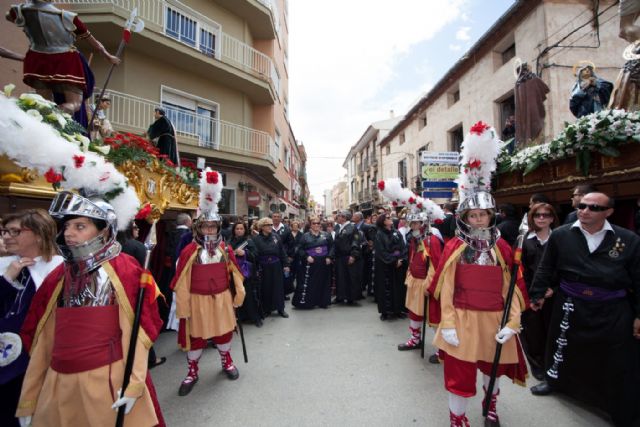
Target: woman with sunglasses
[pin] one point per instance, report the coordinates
(542, 219)
(315, 252)
(30, 239)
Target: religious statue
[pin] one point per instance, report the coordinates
(590, 93)
(530, 93)
(626, 92)
(52, 63)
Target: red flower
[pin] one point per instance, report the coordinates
(479, 128)
(188, 164)
(475, 164)
(394, 204)
(52, 176)
(163, 156)
(419, 205)
(170, 163)
(212, 177)
(381, 185)
(412, 200)
(78, 161)
(144, 212)
(438, 221)
(208, 198)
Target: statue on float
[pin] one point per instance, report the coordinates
(590, 93)
(626, 93)
(53, 64)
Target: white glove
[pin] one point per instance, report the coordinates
(128, 402)
(25, 421)
(450, 336)
(505, 335)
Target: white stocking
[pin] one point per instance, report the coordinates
(222, 348)
(194, 354)
(415, 324)
(457, 404)
(496, 386)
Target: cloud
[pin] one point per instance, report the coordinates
(463, 34)
(455, 47)
(341, 55)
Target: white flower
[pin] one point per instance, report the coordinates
(8, 89)
(55, 117)
(35, 114)
(104, 149)
(82, 139)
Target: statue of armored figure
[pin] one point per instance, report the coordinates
(590, 93)
(53, 63)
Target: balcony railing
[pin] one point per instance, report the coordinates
(133, 114)
(193, 29)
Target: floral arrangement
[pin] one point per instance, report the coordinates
(600, 132)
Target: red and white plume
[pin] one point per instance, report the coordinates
(480, 149)
(393, 191)
(210, 192)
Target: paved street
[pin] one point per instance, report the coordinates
(335, 367)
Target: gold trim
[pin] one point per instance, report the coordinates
(50, 305)
(453, 258)
(124, 303)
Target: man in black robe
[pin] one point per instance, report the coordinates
(163, 134)
(288, 245)
(593, 346)
(348, 253)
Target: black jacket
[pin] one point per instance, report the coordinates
(390, 246)
(348, 241)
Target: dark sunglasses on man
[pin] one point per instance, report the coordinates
(592, 208)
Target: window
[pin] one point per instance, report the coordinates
(455, 138)
(278, 142)
(422, 120)
(388, 149)
(287, 159)
(402, 171)
(508, 53)
(207, 42)
(181, 27)
(227, 203)
(402, 138)
(456, 96)
(453, 95)
(192, 116)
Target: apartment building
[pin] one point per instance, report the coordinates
(363, 166)
(549, 35)
(219, 68)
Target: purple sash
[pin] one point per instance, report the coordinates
(318, 251)
(245, 266)
(590, 293)
(396, 253)
(268, 259)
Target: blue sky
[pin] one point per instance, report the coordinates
(352, 61)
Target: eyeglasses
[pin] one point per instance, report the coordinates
(13, 232)
(593, 208)
(267, 225)
(315, 223)
(542, 215)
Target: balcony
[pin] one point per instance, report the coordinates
(194, 41)
(261, 16)
(199, 135)
(360, 196)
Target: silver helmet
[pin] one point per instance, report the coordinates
(479, 239)
(91, 254)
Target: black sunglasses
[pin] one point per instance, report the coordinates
(593, 208)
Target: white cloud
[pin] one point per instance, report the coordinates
(455, 47)
(463, 34)
(341, 53)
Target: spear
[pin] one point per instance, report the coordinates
(133, 24)
(503, 323)
(150, 243)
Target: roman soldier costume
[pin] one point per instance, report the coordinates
(424, 249)
(208, 286)
(471, 284)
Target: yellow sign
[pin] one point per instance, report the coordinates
(440, 172)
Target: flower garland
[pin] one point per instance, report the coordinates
(600, 132)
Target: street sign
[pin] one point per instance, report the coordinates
(439, 184)
(447, 172)
(440, 157)
(253, 198)
(437, 194)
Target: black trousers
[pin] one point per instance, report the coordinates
(9, 396)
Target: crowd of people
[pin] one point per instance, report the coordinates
(582, 311)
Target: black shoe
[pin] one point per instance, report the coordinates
(157, 362)
(259, 323)
(283, 313)
(232, 374)
(384, 316)
(185, 388)
(491, 423)
(542, 389)
(337, 301)
(434, 359)
(353, 304)
(401, 315)
(287, 298)
(404, 347)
